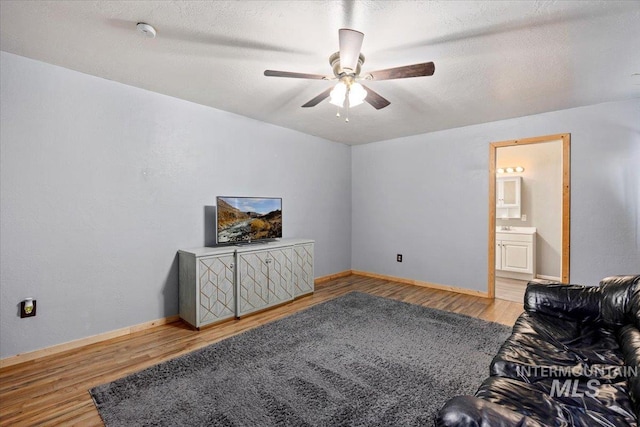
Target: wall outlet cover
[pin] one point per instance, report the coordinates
(24, 313)
(399, 257)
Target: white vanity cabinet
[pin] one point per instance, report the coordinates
(207, 285)
(219, 283)
(516, 253)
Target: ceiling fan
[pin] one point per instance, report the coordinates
(346, 65)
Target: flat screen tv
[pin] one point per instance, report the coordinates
(248, 219)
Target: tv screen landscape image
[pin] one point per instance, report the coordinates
(245, 219)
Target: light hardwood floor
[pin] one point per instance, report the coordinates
(53, 390)
(510, 289)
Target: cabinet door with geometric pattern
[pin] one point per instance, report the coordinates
(216, 289)
(303, 282)
(280, 272)
(253, 281)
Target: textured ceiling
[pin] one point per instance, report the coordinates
(494, 60)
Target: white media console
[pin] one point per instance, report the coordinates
(218, 283)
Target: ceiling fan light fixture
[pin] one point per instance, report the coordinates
(357, 94)
(338, 94)
(346, 65)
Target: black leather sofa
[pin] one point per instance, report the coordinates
(572, 360)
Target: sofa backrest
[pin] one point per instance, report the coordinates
(563, 301)
(620, 300)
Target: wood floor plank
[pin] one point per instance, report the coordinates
(510, 289)
(53, 390)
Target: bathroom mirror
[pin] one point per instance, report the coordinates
(508, 197)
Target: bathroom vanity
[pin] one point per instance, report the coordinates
(516, 252)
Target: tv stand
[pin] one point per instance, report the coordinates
(223, 282)
(254, 242)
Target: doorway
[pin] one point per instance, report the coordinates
(527, 229)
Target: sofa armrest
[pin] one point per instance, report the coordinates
(620, 300)
(469, 411)
(563, 301)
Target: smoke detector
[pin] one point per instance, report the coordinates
(146, 30)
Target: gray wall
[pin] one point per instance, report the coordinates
(541, 199)
(426, 197)
(101, 183)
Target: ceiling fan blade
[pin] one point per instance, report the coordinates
(315, 101)
(350, 45)
(415, 70)
(373, 98)
(274, 73)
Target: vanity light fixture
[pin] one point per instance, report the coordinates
(510, 169)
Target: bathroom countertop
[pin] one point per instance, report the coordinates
(517, 230)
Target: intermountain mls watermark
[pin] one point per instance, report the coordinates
(567, 380)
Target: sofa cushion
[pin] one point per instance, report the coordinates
(470, 411)
(592, 396)
(619, 300)
(519, 397)
(582, 404)
(543, 346)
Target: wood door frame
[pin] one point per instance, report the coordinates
(566, 201)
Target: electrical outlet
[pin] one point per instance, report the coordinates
(28, 308)
(399, 257)
(523, 217)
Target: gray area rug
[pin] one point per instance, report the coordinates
(358, 360)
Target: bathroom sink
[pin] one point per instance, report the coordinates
(517, 230)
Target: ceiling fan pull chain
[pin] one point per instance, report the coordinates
(347, 103)
(338, 113)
